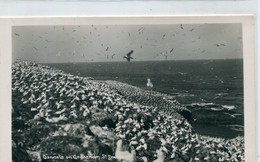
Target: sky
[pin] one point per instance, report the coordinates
(105, 43)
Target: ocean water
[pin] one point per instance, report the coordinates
(206, 87)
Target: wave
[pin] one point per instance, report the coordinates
(236, 127)
(202, 104)
(215, 109)
(229, 107)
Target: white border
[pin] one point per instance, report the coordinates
(248, 56)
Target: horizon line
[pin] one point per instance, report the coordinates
(137, 61)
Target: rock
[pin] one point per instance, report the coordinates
(35, 155)
(102, 118)
(106, 138)
(87, 140)
(75, 130)
(101, 133)
(19, 154)
(63, 145)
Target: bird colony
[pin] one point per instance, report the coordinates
(62, 117)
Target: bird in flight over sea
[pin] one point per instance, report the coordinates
(128, 56)
(113, 56)
(163, 36)
(222, 44)
(35, 48)
(58, 54)
(16, 34)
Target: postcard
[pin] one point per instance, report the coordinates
(118, 88)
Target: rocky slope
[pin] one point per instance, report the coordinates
(61, 117)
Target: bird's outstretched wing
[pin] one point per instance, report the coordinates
(127, 58)
(129, 53)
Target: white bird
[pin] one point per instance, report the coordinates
(160, 156)
(144, 159)
(61, 111)
(56, 119)
(149, 83)
(124, 156)
(58, 54)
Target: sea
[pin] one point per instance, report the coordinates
(206, 87)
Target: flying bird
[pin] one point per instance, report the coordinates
(17, 34)
(163, 36)
(220, 44)
(58, 54)
(164, 53)
(171, 50)
(107, 48)
(128, 56)
(113, 56)
(35, 48)
(181, 26)
(141, 30)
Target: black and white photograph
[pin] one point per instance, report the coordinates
(128, 92)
